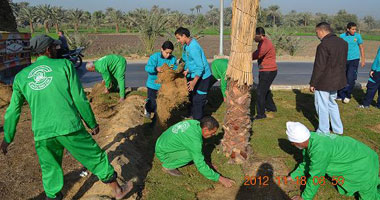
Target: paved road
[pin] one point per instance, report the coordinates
(289, 73)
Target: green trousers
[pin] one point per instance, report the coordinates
(82, 147)
(175, 159)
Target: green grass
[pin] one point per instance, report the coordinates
(267, 134)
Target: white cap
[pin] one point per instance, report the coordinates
(297, 132)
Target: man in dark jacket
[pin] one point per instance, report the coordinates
(329, 75)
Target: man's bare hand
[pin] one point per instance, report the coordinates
(159, 69)
(371, 73)
(121, 100)
(191, 85)
(95, 130)
(363, 62)
(185, 72)
(312, 89)
(4, 147)
(226, 182)
(297, 198)
(289, 178)
(106, 91)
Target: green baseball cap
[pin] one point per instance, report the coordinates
(39, 43)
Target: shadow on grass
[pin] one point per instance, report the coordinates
(288, 148)
(358, 95)
(305, 104)
(261, 186)
(215, 100)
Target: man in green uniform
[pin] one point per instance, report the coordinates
(218, 70)
(58, 104)
(112, 68)
(353, 166)
(182, 143)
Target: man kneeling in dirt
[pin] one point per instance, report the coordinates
(57, 103)
(182, 143)
(112, 68)
(352, 166)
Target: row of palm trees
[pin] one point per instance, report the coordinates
(54, 16)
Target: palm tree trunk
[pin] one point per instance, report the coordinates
(76, 27)
(56, 27)
(237, 122)
(46, 27)
(95, 29)
(274, 20)
(117, 28)
(31, 26)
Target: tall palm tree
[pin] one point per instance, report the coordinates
(44, 15)
(97, 19)
(198, 8)
(192, 10)
(237, 122)
(273, 11)
(57, 17)
(211, 6)
(28, 14)
(306, 18)
(76, 17)
(116, 17)
(150, 24)
(370, 21)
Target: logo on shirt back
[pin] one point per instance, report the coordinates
(41, 81)
(181, 127)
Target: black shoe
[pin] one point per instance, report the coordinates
(260, 117)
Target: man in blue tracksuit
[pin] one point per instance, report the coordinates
(373, 84)
(197, 71)
(354, 55)
(153, 67)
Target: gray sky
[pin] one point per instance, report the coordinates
(361, 8)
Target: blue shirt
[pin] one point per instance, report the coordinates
(375, 65)
(353, 45)
(195, 60)
(156, 60)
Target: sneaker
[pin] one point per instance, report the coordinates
(346, 100)
(173, 172)
(362, 106)
(147, 114)
(338, 99)
(83, 174)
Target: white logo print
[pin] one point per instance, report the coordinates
(41, 81)
(181, 127)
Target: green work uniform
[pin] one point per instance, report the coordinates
(57, 103)
(181, 144)
(219, 69)
(339, 156)
(112, 68)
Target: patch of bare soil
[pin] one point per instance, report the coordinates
(172, 97)
(5, 94)
(261, 182)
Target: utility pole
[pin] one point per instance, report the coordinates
(221, 28)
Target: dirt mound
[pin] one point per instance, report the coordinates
(124, 137)
(172, 96)
(5, 94)
(103, 104)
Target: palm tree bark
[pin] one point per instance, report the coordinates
(31, 26)
(117, 28)
(237, 121)
(56, 27)
(46, 27)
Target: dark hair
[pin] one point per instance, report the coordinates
(182, 31)
(350, 25)
(209, 122)
(260, 31)
(63, 33)
(167, 45)
(324, 26)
